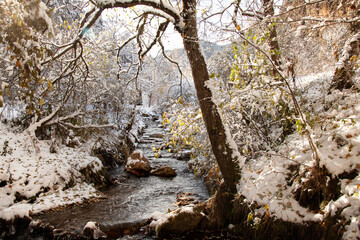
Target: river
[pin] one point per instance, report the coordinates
(134, 199)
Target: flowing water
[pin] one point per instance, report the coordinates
(135, 199)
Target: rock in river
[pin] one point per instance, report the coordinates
(180, 221)
(137, 164)
(164, 172)
(92, 231)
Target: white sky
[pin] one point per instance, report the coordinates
(123, 20)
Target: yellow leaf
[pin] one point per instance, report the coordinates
(266, 207)
(41, 102)
(51, 87)
(238, 27)
(69, 27)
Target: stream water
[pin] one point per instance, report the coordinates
(135, 199)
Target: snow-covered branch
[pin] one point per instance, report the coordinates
(163, 8)
(64, 118)
(88, 126)
(345, 54)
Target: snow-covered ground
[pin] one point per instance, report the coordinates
(336, 132)
(31, 183)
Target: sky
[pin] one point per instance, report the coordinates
(211, 30)
(208, 31)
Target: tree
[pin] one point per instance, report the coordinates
(81, 89)
(185, 21)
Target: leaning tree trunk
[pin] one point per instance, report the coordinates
(223, 146)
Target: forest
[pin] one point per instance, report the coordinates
(179, 119)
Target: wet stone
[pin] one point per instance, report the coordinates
(165, 171)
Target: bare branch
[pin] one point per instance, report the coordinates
(161, 29)
(173, 62)
(217, 13)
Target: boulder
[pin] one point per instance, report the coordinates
(92, 231)
(180, 221)
(108, 152)
(164, 172)
(137, 164)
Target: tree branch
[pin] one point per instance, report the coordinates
(161, 5)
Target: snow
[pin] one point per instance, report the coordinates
(161, 7)
(42, 179)
(138, 151)
(334, 124)
(159, 218)
(91, 225)
(4, 85)
(213, 85)
(235, 152)
(346, 50)
(188, 209)
(96, 232)
(264, 179)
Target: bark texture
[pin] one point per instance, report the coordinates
(223, 152)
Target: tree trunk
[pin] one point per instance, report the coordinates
(273, 41)
(223, 146)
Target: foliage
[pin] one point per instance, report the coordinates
(22, 50)
(78, 90)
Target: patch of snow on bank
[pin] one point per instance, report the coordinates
(31, 184)
(335, 127)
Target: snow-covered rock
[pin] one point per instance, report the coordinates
(92, 231)
(137, 164)
(180, 221)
